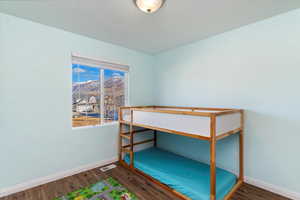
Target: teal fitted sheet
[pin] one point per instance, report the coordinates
(184, 175)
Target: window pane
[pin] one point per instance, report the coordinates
(114, 93)
(86, 95)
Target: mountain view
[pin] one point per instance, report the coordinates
(86, 95)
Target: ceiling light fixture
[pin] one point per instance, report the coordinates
(149, 6)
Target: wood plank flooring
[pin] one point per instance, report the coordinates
(144, 189)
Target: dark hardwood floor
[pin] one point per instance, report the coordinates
(144, 189)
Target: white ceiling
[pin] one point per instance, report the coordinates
(120, 22)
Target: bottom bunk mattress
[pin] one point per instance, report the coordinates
(189, 177)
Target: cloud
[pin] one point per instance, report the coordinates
(116, 74)
(78, 70)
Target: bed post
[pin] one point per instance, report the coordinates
(241, 148)
(120, 132)
(131, 139)
(213, 157)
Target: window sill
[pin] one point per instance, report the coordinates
(96, 126)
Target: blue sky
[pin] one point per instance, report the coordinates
(82, 73)
(108, 73)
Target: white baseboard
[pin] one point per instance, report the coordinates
(43, 180)
(273, 188)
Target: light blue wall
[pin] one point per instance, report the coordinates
(257, 68)
(35, 100)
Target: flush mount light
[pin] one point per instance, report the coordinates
(149, 6)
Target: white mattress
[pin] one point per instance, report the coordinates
(191, 124)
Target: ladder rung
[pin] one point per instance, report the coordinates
(137, 131)
(137, 143)
(126, 136)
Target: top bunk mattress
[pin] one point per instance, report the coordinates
(193, 124)
(189, 177)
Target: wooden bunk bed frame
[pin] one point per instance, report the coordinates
(129, 148)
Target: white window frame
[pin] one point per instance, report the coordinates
(102, 65)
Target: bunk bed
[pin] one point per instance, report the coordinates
(186, 178)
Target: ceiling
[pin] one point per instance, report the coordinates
(120, 22)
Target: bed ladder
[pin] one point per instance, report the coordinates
(129, 148)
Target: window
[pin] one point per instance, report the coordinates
(98, 90)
